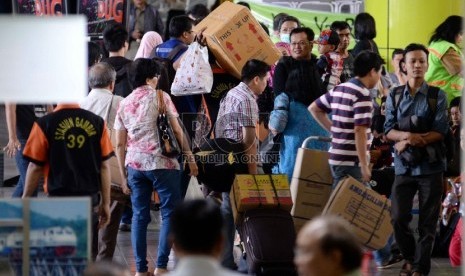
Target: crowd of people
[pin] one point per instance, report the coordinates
(371, 116)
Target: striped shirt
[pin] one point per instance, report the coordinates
(350, 105)
(238, 109)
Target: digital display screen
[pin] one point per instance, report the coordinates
(100, 12)
(40, 7)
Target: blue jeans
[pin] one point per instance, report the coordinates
(227, 259)
(21, 165)
(384, 254)
(142, 183)
(339, 172)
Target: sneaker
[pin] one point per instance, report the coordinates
(392, 261)
(125, 227)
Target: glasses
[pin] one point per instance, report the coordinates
(300, 43)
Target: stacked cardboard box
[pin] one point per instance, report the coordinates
(310, 186)
(259, 191)
(366, 210)
(234, 36)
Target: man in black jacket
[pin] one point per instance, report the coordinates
(115, 39)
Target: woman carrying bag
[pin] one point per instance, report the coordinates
(148, 141)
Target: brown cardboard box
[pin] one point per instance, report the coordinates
(367, 211)
(253, 191)
(234, 36)
(311, 183)
(299, 223)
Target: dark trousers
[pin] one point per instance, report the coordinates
(430, 190)
(107, 235)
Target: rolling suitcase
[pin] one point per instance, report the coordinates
(268, 236)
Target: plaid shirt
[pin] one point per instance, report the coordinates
(238, 109)
(347, 68)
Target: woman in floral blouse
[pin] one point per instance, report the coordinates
(140, 159)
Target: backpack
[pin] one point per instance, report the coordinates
(123, 85)
(432, 97)
(167, 64)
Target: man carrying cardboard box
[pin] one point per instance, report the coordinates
(351, 108)
(237, 118)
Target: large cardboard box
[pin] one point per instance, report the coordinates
(264, 191)
(311, 184)
(367, 211)
(234, 36)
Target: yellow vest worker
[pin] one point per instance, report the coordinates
(438, 75)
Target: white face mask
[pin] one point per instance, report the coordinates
(285, 38)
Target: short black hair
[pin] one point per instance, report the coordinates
(277, 19)
(196, 225)
(397, 51)
(245, 4)
(253, 68)
(448, 29)
(286, 19)
(340, 25)
(365, 26)
(377, 123)
(114, 37)
(415, 47)
(180, 24)
(265, 28)
(198, 11)
(141, 70)
(456, 102)
(309, 32)
(94, 53)
(365, 61)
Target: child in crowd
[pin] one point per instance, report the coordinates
(330, 61)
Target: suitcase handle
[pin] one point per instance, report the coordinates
(318, 138)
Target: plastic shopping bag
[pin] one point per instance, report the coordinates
(195, 75)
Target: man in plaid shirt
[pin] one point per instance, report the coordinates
(237, 118)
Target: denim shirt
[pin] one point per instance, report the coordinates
(417, 105)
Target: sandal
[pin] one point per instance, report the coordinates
(406, 269)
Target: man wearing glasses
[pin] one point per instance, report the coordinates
(301, 63)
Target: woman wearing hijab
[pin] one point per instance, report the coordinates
(149, 41)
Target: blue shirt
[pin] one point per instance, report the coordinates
(163, 50)
(417, 105)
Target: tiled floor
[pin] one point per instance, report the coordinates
(124, 254)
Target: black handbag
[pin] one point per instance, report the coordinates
(219, 160)
(168, 143)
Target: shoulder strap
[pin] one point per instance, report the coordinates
(433, 93)
(161, 102)
(109, 109)
(175, 51)
(397, 95)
